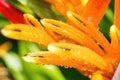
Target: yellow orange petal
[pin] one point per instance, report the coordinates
(68, 55)
(71, 32)
(115, 40)
(26, 32)
(87, 27)
(117, 13)
(95, 10)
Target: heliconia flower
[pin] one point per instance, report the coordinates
(80, 46)
(11, 13)
(92, 10)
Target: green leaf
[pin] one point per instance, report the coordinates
(3, 21)
(43, 9)
(24, 8)
(13, 63)
(38, 71)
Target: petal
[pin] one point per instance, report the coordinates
(89, 29)
(71, 33)
(115, 40)
(68, 5)
(95, 10)
(117, 13)
(92, 10)
(68, 55)
(26, 32)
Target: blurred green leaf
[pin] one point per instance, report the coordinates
(3, 21)
(110, 15)
(72, 74)
(37, 70)
(43, 9)
(13, 63)
(20, 6)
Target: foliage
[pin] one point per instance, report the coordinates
(21, 70)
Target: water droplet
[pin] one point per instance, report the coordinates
(85, 63)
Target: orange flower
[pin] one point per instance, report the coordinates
(92, 10)
(80, 46)
(117, 14)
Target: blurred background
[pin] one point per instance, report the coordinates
(12, 67)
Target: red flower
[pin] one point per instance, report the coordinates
(11, 13)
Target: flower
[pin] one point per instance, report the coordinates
(11, 13)
(78, 44)
(85, 8)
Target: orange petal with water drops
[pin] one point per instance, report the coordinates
(31, 20)
(72, 33)
(58, 4)
(68, 5)
(65, 53)
(89, 29)
(95, 10)
(26, 32)
(117, 14)
(92, 10)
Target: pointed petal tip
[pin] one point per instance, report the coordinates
(27, 59)
(6, 32)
